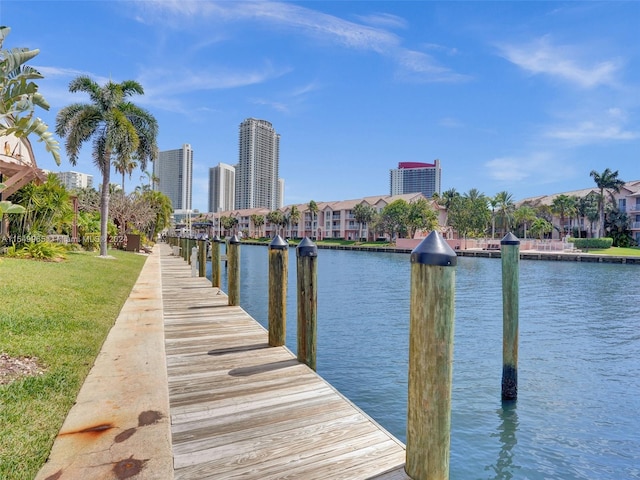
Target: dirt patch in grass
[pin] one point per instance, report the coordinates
(13, 368)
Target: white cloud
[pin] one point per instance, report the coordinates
(450, 122)
(565, 62)
(383, 20)
(415, 65)
(537, 167)
(592, 132)
(163, 81)
(607, 126)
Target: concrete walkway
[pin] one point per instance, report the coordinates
(119, 427)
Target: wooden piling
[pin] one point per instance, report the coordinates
(431, 328)
(233, 276)
(202, 258)
(278, 275)
(215, 262)
(307, 299)
(510, 255)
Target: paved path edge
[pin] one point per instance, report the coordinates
(120, 425)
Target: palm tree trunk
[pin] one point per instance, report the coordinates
(104, 211)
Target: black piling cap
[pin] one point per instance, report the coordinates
(510, 239)
(216, 239)
(434, 250)
(278, 243)
(234, 240)
(306, 248)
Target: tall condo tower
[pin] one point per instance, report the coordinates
(222, 188)
(258, 166)
(415, 177)
(174, 170)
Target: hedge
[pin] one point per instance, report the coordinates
(595, 243)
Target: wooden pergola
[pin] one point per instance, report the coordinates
(17, 165)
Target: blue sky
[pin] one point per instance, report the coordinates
(527, 97)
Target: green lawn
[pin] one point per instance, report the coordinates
(60, 313)
(618, 251)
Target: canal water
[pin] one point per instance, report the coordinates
(578, 410)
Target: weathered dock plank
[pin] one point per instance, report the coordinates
(242, 409)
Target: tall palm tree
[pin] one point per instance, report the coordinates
(564, 206)
(363, 214)
(606, 180)
(125, 166)
(313, 209)
(524, 215)
(294, 217)
(117, 128)
(505, 206)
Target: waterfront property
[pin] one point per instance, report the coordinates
(332, 220)
(627, 201)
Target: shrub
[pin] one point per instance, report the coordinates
(593, 243)
(38, 251)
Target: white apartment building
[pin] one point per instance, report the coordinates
(75, 180)
(222, 187)
(257, 170)
(174, 171)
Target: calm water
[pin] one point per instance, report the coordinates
(578, 411)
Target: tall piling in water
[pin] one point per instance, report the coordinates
(233, 276)
(307, 297)
(510, 256)
(215, 262)
(431, 329)
(202, 258)
(278, 275)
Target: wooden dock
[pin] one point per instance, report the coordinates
(242, 409)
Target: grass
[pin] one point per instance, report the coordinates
(618, 251)
(60, 313)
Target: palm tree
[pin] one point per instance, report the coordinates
(117, 127)
(493, 203)
(258, 221)
(564, 206)
(540, 227)
(313, 209)
(606, 180)
(294, 216)
(524, 215)
(125, 165)
(505, 205)
(363, 214)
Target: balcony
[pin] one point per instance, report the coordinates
(635, 226)
(633, 208)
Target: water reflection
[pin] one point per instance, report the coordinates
(504, 467)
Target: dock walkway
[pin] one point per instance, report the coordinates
(242, 409)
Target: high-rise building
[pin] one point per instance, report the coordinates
(174, 172)
(222, 188)
(258, 166)
(280, 192)
(416, 177)
(75, 180)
